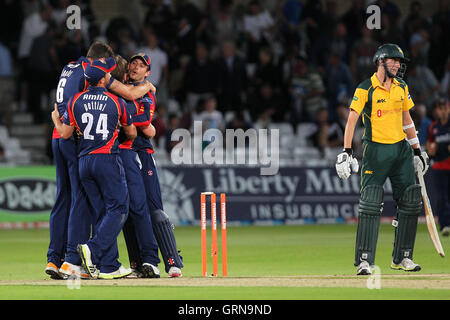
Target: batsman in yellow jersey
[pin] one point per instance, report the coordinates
(383, 102)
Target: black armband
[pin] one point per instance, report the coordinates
(111, 80)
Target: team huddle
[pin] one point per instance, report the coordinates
(107, 179)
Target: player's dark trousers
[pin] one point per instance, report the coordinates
(103, 177)
(151, 181)
(379, 162)
(139, 212)
(60, 212)
(442, 180)
(393, 161)
(81, 212)
(163, 228)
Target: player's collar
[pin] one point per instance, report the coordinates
(91, 88)
(377, 83)
(136, 83)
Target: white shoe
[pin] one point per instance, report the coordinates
(406, 265)
(68, 269)
(122, 272)
(85, 254)
(445, 231)
(150, 271)
(174, 272)
(53, 271)
(364, 269)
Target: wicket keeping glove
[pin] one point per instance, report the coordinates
(346, 164)
(421, 161)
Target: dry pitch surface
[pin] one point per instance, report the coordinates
(405, 281)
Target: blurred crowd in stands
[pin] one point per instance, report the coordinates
(234, 64)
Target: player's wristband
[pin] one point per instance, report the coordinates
(348, 150)
(413, 141)
(417, 152)
(111, 80)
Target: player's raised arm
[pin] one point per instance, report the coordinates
(130, 92)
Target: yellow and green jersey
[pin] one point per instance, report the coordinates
(382, 110)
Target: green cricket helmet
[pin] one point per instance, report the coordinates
(391, 50)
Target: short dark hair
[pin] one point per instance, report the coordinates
(99, 50)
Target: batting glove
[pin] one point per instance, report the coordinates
(421, 161)
(346, 164)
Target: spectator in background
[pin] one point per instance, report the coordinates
(126, 45)
(159, 122)
(210, 117)
(266, 71)
(390, 31)
(6, 62)
(222, 25)
(438, 147)
(339, 41)
(159, 18)
(59, 14)
(43, 66)
(328, 33)
(419, 46)
(265, 106)
(423, 85)
(389, 9)
(200, 77)
(414, 21)
(94, 34)
(421, 122)
(439, 44)
(362, 53)
(289, 17)
(173, 124)
(158, 76)
(258, 28)
(445, 82)
(70, 46)
(176, 76)
(307, 92)
(355, 20)
(313, 16)
(231, 78)
(191, 23)
(238, 122)
(121, 36)
(327, 134)
(339, 82)
(33, 26)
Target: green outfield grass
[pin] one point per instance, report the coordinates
(253, 252)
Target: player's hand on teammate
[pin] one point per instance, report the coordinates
(346, 164)
(55, 112)
(421, 161)
(152, 87)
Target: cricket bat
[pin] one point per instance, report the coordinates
(429, 217)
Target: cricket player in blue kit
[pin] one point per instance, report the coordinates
(139, 214)
(96, 113)
(70, 219)
(140, 66)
